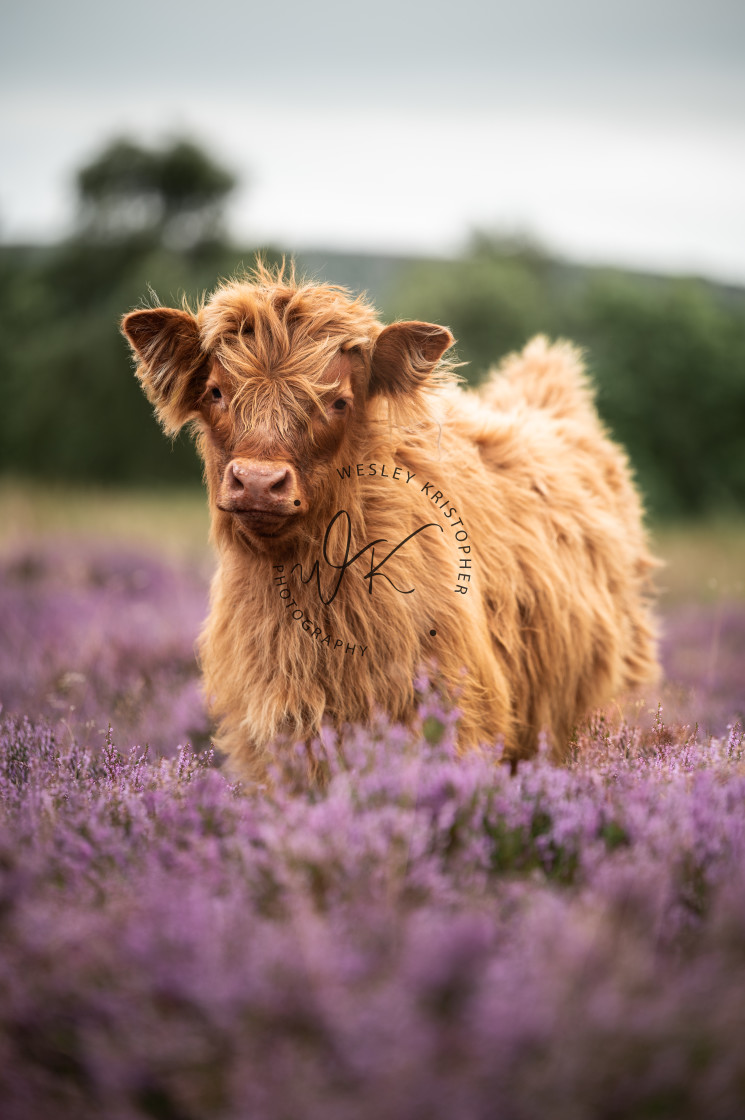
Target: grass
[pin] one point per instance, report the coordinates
(174, 522)
(704, 561)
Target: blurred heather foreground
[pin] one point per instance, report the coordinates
(94, 634)
(425, 937)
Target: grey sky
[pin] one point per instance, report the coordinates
(612, 130)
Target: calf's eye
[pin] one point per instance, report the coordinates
(215, 393)
(339, 405)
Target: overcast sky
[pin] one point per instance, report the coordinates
(610, 131)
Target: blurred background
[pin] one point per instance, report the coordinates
(568, 167)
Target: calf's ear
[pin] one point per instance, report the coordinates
(405, 355)
(170, 359)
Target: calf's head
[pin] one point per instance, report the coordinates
(277, 380)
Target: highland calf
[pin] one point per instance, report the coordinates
(371, 517)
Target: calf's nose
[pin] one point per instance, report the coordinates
(255, 484)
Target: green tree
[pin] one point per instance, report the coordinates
(669, 360)
(667, 356)
(492, 302)
(175, 194)
(74, 409)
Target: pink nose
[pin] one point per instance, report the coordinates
(258, 484)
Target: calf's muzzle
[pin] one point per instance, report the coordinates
(261, 487)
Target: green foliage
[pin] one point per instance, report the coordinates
(175, 193)
(150, 220)
(667, 356)
(72, 407)
(492, 305)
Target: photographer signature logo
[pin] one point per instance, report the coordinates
(374, 570)
(327, 574)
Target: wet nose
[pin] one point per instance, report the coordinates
(257, 484)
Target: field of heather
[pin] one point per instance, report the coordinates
(425, 937)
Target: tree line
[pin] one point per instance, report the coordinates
(667, 355)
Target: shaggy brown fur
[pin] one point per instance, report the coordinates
(532, 572)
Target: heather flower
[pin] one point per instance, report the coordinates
(415, 935)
